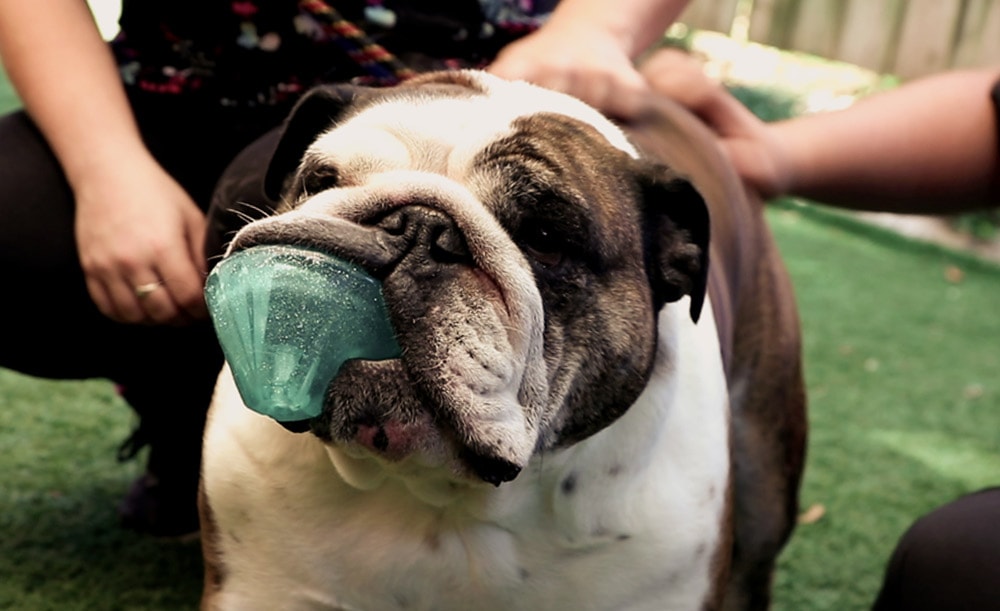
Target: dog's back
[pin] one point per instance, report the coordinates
(759, 334)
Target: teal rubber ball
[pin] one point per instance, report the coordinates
(288, 318)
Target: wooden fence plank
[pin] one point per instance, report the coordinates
(979, 40)
(818, 26)
(772, 22)
(713, 15)
(870, 33)
(925, 42)
(905, 37)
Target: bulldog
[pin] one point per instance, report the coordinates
(585, 413)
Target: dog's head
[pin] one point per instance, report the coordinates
(525, 250)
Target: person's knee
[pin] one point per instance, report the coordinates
(949, 558)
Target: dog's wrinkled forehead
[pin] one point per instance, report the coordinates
(443, 128)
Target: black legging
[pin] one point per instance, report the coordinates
(54, 330)
(949, 559)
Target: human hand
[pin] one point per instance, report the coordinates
(751, 145)
(140, 239)
(580, 60)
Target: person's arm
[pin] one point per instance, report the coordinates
(929, 146)
(135, 225)
(587, 48)
(634, 24)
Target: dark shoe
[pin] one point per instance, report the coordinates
(163, 502)
(155, 509)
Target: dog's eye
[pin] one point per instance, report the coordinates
(318, 180)
(542, 243)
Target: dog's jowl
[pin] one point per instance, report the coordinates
(584, 413)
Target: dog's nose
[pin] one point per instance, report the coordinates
(391, 440)
(428, 233)
(375, 438)
(491, 469)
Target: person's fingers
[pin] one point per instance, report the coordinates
(183, 283)
(155, 301)
(675, 74)
(150, 296)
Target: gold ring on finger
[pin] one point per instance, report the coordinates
(145, 290)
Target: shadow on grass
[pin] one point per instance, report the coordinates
(60, 543)
(65, 551)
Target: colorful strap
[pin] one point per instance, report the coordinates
(382, 67)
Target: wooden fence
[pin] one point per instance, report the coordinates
(903, 37)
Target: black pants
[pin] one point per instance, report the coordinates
(52, 329)
(949, 559)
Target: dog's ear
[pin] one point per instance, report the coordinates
(676, 235)
(313, 114)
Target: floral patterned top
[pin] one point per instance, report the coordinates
(247, 53)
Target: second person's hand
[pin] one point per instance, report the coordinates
(584, 62)
(755, 153)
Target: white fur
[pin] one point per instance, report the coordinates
(460, 126)
(638, 531)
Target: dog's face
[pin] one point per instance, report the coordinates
(524, 251)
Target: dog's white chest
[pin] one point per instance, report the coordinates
(628, 519)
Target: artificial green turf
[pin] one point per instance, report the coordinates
(8, 97)
(902, 368)
(60, 546)
(903, 374)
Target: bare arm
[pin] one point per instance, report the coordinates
(929, 146)
(587, 49)
(635, 24)
(134, 224)
(54, 53)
